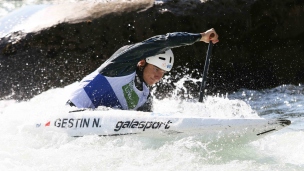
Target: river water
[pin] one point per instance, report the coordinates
(23, 147)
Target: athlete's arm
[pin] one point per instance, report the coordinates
(124, 61)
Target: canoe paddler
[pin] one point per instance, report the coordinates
(125, 79)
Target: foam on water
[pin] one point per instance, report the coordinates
(22, 146)
(32, 18)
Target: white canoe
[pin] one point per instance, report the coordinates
(113, 122)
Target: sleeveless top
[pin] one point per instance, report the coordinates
(116, 92)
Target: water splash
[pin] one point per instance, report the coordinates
(32, 18)
(22, 146)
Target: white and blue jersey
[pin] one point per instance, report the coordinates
(113, 85)
(117, 92)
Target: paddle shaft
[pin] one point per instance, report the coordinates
(205, 72)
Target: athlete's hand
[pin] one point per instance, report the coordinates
(210, 35)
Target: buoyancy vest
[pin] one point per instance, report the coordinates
(116, 92)
(112, 84)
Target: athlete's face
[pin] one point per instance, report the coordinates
(152, 74)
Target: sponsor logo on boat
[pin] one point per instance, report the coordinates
(142, 125)
(96, 123)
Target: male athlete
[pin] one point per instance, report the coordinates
(123, 80)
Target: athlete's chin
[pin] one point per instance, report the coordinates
(152, 82)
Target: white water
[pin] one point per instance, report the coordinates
(31, 16)
(24, 147)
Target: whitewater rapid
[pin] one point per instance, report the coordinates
(25, 147)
